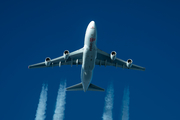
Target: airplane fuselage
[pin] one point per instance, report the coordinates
(89, 55)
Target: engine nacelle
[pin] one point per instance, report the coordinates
(66, 54)
(47, 61)
(129, 63)
(113, 55)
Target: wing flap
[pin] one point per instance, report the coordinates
(72, 60)
(103, 58)
(38, 65)
(136, 67)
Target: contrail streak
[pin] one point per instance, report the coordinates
(125, 104)
(60, 102)
(41, 109)
(107, 115)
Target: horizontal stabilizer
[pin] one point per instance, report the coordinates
(75, 87)
(95, 88)
(79, 87)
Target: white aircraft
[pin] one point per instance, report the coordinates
(88, 57)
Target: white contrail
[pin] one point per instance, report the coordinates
(41, 109)
(60, 102)
(125, 104)
(107, 115)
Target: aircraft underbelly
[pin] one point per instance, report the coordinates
(87, 67)
(86, 77)
(89, 61)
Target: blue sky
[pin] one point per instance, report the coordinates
(145, 31)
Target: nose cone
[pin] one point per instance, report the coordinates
(92, 25)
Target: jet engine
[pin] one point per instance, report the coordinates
(129, 63)
(66, 54)
(113, 55)
(47, 61)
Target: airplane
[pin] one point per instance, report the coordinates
(88, 57)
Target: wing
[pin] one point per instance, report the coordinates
(103, 58)
(74, 58)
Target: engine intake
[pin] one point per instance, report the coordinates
(113, 55)
(47, 61)
(66, 54)
(129, 63)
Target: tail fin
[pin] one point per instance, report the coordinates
(79, 86)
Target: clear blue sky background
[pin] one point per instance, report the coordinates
(146, 31)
